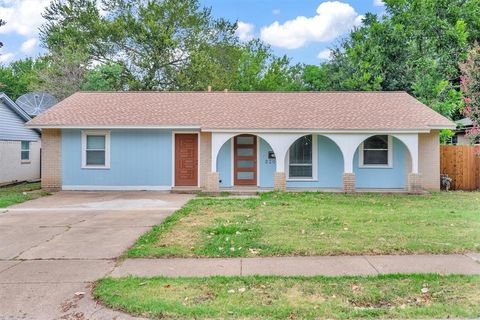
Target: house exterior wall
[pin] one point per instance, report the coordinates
(329, 167)
(51, 159)
(224, 164)
(267, 166)
(144, 158)
(137, 158)
(12, 132)
(384, 178)
(429, 159)
(12, 168)
(205, 157)
(12, 126)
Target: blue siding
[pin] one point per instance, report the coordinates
(330, 167)
(384, 178)
(267, 166)
(224, 164)
(137, 158)
(12, 126)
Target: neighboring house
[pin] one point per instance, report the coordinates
(460, 137)
(19, 146)
(227, 140)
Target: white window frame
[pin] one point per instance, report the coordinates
(314, 162)
(23, 150)
(361, 164)
(86, 133)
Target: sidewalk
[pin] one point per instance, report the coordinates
(301, 266)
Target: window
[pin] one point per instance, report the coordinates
(25, 151)
(301, 159)
(96, 149)
(376, 152)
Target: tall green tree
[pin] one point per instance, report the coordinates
(64, 73)
(470, 80)
(20, 76)
(156, 45)
(258, 69)
(103, 77)
(415, 47)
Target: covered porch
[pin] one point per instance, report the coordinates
(243, 162)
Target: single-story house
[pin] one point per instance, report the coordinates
(19, 146)
(217, 141)
(460, 137)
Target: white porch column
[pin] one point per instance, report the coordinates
(348, 144)
(411, 142)
(218, 140)
(280, 143)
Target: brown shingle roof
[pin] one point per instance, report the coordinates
(244, 110)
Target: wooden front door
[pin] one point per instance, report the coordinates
(245, 160)
(186, 159)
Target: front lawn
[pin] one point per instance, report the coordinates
(19, 193)
(317, 224)
(392, 296)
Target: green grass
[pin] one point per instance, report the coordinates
(392, 296)
(317, 224)
(20, 193)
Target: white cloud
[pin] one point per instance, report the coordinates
(276, 12)
(22, 16)
(324, 54)
(378, 3)
(6, 57)
(29, 45)
(333, 18)
(245, 31)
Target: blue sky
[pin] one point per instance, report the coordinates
(301, 29)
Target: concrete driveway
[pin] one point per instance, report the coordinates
(54, 247)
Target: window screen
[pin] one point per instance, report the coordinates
(300, 158)
(25, 151)
(375, 150)
(95, 151)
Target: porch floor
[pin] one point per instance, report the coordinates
(252, 190)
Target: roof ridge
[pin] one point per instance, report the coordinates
(242, 92)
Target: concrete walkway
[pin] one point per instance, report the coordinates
(301, 266)
(53, 248)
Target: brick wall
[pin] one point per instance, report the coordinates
(205, 157)
(429, 159)
(51, 159)
(348, 182)
(280, 181)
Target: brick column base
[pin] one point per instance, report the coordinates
(212, 182)
(415, 183)
(280, 181)
(348, 182)
(51, 159)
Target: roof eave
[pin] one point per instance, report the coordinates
(198, 127)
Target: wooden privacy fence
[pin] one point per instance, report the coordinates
(462, 164)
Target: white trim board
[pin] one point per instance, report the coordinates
(105, 127)
(314, 162)
(389, 165)
(243, 130)
(107, 150)
(317, 131)
(115, 188)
